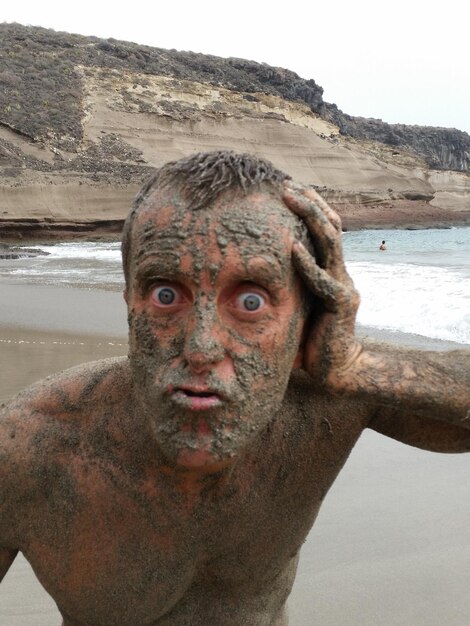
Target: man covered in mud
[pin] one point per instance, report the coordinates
(176, 486)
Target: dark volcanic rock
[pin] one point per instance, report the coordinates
(15, 252)
(441, 148)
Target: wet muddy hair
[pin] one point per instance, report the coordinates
(203, 177)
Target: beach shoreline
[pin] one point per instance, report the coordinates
(48, 328)
(85, 311)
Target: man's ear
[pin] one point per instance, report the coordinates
(125, 296)
(299, 358)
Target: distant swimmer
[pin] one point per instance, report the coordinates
(382, 246)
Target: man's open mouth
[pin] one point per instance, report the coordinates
(198, 394)
(196, 399)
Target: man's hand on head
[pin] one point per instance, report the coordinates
(330, 346)
(412, 390)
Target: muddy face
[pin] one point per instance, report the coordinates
(216, 318)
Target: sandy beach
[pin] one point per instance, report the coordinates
(391, 544)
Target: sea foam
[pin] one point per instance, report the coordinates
(423, 300)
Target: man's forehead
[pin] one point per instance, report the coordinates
(255, 231)
(256, 212)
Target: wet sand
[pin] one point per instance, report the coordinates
(392, 542)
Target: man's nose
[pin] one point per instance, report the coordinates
(203, 345)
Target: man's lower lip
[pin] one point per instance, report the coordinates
(196, 403)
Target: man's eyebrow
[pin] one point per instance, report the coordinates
(267, 268)
(160, 265)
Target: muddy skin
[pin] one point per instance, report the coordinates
(252, 237)
(177, 486)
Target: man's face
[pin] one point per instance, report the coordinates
(216, 319)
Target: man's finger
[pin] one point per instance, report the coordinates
(326, 237)
(317, 199)
(318, 281)
(332, 216)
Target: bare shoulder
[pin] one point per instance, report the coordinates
(47, 421)
(305, 401)
(65, 395)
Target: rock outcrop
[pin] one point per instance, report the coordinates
(13, 252)
(441, 148)
(83, 121)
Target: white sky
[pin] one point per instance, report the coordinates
(403, 61)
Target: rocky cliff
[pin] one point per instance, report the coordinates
(83, 120)
(441, 148)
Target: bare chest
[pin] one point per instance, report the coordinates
(112, 547)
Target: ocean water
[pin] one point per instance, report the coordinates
(419, 285)
(82, 264)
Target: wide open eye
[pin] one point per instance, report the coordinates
(250, 301)
(166, 296)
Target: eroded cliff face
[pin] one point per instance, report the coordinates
(440, 148)
(76, 157)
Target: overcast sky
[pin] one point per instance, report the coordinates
(402, 62)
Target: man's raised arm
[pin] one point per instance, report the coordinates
(418, 397)
(422, 398)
